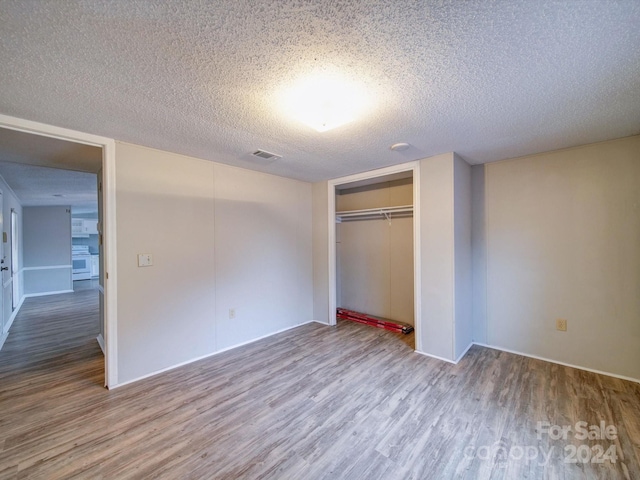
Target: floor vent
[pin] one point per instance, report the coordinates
(266, 155)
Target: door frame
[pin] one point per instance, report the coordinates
(417, 272)
(108, 146)
(15, 271)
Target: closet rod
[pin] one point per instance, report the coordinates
(374, 212)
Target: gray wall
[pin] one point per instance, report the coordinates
(320, 233)
(47, 243)
(479, 254)
(563, 241)
(375, 258)
(463, 264)
(221, 238)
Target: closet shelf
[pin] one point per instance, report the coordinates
(385, 212)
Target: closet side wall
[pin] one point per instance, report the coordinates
(375, 259)
(437, 256)
(462, 234)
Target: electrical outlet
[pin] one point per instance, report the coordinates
(561, 324)
(232, 313)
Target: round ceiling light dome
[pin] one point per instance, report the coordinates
(399, 147)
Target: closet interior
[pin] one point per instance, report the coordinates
(374, 249)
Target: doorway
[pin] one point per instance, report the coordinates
(106, 227)
(368, 178)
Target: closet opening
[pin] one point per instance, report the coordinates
(373, 245)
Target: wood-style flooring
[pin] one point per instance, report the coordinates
(350, 402)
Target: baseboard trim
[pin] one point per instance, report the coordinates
(435, 356)
(14, 314)
(464, 353)
(318, 321)
(600, 372)
(100, 340)
(44, 294)
(217, 352)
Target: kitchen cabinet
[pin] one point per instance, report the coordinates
(77, 226)
(82, 227)
(90, 226)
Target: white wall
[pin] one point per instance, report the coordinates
(563, 241)
(221, 238)
(46, 242)
(10, 201)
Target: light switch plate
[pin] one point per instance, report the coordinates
(145, 260)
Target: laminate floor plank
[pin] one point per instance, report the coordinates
(315, 402)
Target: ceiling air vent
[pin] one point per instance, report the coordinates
(266, 155)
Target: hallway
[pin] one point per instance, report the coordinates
(52, 334)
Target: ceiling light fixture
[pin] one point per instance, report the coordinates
(399, 147)
(325, 101)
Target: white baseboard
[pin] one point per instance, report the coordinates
(435, 356)
(318, 321)
(100, 340)
(464, 353)
(600, 372)
(111, 387)
(14, 314)
(43, 294)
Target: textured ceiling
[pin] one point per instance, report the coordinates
(486, 79)
(70, 170)
(40, 186)
(21, 147)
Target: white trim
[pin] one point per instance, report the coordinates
(318, 321)
(13, 316)
(435, 356)
(44, 294)
(464, 353)
(49, 267)
(544, 359)
(202, 357)
(109, 240)
(417, 257)
(109, 263)
(331, 207)
(417, 271)
(100, 340)
(3, 337)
